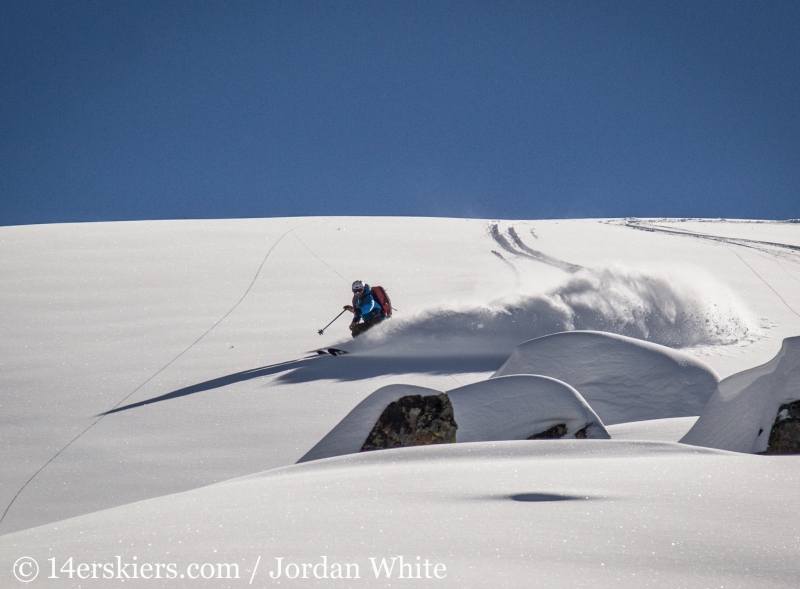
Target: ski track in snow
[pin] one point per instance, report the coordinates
(527, 252)
(777, 294)
(764, 246)
(510, 266)
(297, 237)
(757, 245)
(556, 263)
(162, 369)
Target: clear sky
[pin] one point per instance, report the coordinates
(117, 110)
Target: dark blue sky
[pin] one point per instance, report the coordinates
(155, 110)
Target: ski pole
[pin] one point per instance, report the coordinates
(320, 331)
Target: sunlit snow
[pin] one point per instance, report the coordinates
(159, 383)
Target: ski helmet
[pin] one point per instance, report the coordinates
(358, 285)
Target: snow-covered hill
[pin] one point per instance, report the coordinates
(141, 362)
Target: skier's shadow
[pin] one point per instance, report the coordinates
(338, 368)
(352, 367)
(216, 383)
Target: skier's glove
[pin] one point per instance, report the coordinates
(349, 308)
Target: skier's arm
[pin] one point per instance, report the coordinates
(355, 310)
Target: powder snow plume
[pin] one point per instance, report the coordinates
(674, 309)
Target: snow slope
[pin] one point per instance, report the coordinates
(623, 379)
(140, 360)
(741, 413)
(569, 513)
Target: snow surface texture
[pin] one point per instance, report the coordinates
(673, 309)
(623, 379)
(516, 407)
(578, 514)
(508, 408)
(198, 332)
(671, 429)
(741, 413)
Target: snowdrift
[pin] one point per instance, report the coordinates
(741, 413)
(672, 310)
(508, 408)
(623, 379)
(516, 407)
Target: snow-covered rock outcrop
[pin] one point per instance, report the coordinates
(518, 407)
(350, 434)
(414, 420)
(623, 379)
(747, 405)
(507, 408)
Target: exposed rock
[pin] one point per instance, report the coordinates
(559, 431)
(784, 438)
(414, 420)
(554, 433)
(349, 434)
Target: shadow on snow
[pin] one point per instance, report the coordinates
(338, 368)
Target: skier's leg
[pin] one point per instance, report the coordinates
(360, 328)
(371, 323)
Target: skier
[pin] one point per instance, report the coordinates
(367, 311)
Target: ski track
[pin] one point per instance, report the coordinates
(511, 266)
(788, 306)
(297, 237)
(792, 276)
(767, 256)
(561, 265)
(162, 369)
(494, 232)
(740, 241)
(727, 242)
(527, 252)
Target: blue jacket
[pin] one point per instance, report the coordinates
(366, 307)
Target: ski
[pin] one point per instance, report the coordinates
(331, 351)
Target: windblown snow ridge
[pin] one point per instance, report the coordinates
(661, 307)
(745, 410)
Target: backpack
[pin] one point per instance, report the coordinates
(382, 298)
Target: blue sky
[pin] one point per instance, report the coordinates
(159, 110)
